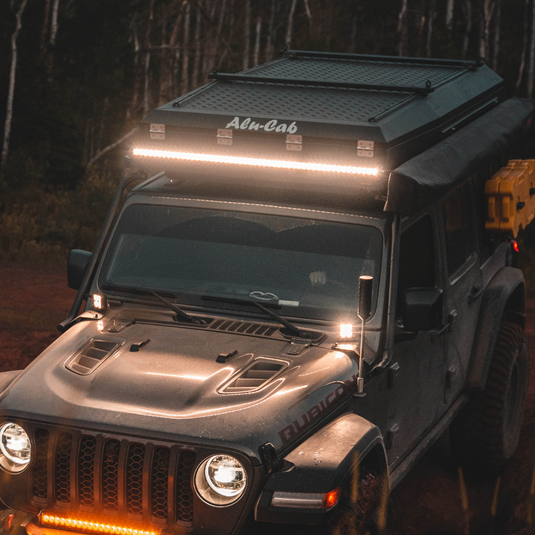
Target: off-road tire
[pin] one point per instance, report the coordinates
(484, 436)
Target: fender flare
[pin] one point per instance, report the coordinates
(503, 296)
(320, 464)
(6, 378)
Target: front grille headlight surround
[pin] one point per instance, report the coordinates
(15, 448)
(220, 480)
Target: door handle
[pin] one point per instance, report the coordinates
(452, 317)
(475, 294)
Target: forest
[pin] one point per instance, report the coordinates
(76, 76)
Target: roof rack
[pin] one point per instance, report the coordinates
(468, 64)
(226, 77)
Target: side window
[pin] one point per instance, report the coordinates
(416, 259)
(458, 228)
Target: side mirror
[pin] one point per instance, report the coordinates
(78, 262)
(423, 309)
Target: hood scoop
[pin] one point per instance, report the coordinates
(256, 376)
(91, 355)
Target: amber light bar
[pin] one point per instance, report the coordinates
(260, 162)
(94, 527)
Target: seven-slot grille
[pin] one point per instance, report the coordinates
(95, 474)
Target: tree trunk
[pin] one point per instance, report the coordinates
(308, 13)
(430, 20)
(468, 29)
(353, 45)
(185, 48)
(258, 30)
(524, 46)
(12, 73)
(247, 34)
(54, 23)
(44, 31)
(403, 29)
(197, 45)
(531, 53)
(146, 87)
(484, 38)
(289, 28)
(450, 6)
(269, 44)
(497, 35)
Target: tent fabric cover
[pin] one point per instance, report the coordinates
(426, 177)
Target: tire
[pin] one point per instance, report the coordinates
(485, 435)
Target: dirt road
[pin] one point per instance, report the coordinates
(34, 299)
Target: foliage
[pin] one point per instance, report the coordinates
(81, 88)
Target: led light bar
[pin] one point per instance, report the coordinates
(260, 162)
(95, 527)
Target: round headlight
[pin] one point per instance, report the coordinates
(221, 480)
(15, 447)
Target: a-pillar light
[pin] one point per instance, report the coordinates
(100, 302)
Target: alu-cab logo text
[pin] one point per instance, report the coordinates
(271, 126)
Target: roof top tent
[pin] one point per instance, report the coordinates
(361, 115)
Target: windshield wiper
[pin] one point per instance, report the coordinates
(179, 312)
(184, 316)
(250, 302)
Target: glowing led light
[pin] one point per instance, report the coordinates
(331, 498)
(92, 526)
(100, 302)
(260, 162)
(346, 330)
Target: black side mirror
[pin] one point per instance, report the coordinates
(423, 309)
(78, 262)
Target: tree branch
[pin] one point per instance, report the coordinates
(107, 149)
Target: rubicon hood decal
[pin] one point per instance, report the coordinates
(271, 126)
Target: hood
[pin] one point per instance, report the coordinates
(173, 386)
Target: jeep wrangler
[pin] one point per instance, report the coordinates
(308, 277)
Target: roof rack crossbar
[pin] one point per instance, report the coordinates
(465, 64)
(227, 77)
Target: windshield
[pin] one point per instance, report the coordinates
(308, 268)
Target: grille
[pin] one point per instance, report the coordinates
(96, 474)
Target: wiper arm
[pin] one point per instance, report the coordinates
(179, 312)
(292, 328)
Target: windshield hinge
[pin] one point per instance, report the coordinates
(297, 346)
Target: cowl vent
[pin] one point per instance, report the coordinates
(91, 355)
(255, 377)
(243, 327)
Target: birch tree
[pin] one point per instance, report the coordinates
(497, 35)
(531, 64)
(44, 30)
(247, 34)
(484, 38)
(524, 46)
(450, 6)
(258, 30)
(12, 74)
(290, 26)
(185, 45)
(468, 28)
(403, 29)
(197, 45)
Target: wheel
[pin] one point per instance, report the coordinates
(357, 518)
(484, 436)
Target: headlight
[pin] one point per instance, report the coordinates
(221, 480)
(15, 448)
